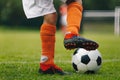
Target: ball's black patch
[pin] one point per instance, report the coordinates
(90, 72)
(75, 52)
(75, 66)
(85, 59)
(99, 61)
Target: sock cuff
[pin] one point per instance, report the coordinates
(76, 4)
(47, 30)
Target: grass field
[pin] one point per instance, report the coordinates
(20, 55)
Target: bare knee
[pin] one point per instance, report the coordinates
(79, 1)
(50, 18)
(71, 1)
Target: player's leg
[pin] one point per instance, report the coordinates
(47, 36)
(74, 16)
(37, 8)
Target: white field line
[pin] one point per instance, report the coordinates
(60, 61)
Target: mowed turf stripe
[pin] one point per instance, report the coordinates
(60, 61)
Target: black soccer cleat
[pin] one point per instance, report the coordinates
(79, 42)
(52, 70)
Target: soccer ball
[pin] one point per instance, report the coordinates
(84, 61)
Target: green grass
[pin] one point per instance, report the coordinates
(20, 55)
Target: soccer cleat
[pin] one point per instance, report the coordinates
(73, 41)
(53, 70)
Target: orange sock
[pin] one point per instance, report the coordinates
(47, 36)
(74, 16)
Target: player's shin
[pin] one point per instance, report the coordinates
(74, 17)
(47, 36)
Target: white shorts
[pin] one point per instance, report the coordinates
(36, 8)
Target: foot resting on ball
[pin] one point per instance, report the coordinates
(72, 41)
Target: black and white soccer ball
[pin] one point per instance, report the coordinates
(84, 61)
